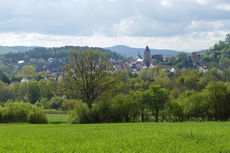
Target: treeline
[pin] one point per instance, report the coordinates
(151, 95)
(218, 56)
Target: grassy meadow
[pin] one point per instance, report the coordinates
(210, 137)
(57, 118)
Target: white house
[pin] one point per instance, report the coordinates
(24, 80)
(21, 62)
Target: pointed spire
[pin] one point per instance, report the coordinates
(147, 55)
(139, 55)
(147, 48)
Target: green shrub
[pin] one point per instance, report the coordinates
(1, 115)
(120, 109)
(56, 101)
(21, 112)
(36, 116)
(43, 103)
(16, 111)
(80, 113)
(68, 105)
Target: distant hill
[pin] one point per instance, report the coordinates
(128, 51)
(14, 49)
(39, 57)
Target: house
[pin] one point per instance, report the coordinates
(152, 65)
(139, 60)
(158, 57)
(24, 80)
(172, 70)
(50, 60)
(60, 78)
(21, 62)
(203, 69)
(166, 59)
(194, 55)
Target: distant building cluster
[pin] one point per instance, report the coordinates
(139, 62)
(151, 61)
(135, 65)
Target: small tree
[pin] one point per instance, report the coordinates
(159, 96)
(90, 72)
(227, 39)
(218, 100)
(33, 91)
(27, 71)
(141, 99)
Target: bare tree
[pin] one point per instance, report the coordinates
(90, 71)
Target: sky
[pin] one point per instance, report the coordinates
(184, 25)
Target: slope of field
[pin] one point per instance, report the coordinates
(210, 137)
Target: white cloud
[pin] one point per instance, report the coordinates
(225, 7)
(203, 2)
(97, 22)
(189, 42)
(123, 27)
(206, 25)
(166, 3)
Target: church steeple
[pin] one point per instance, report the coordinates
(147, 56)
(139, 55)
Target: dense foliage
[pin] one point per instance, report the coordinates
(21, 112)
(219, 55)
(186, 94)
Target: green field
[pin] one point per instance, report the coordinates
(126, 137)
(57, 118)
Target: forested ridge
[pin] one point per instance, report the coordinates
(38, 58)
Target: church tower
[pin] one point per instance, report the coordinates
(147, 56)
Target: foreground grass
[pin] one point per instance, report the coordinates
(129, 137)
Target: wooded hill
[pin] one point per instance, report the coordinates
(45, 58)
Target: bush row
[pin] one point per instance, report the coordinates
(21, 112)
(120, 109)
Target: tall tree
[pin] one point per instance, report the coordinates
(46, 89)
(27, 71)
(90, 71)
(218, 100)
(159, 96)
(33, 91)
(4, 78)
(141, 99)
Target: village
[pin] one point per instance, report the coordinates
(134, 65)
(151, 61)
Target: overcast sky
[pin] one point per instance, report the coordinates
(164, 24)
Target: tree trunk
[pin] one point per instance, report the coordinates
(89, 103)
(156, 115)
(142, 116)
